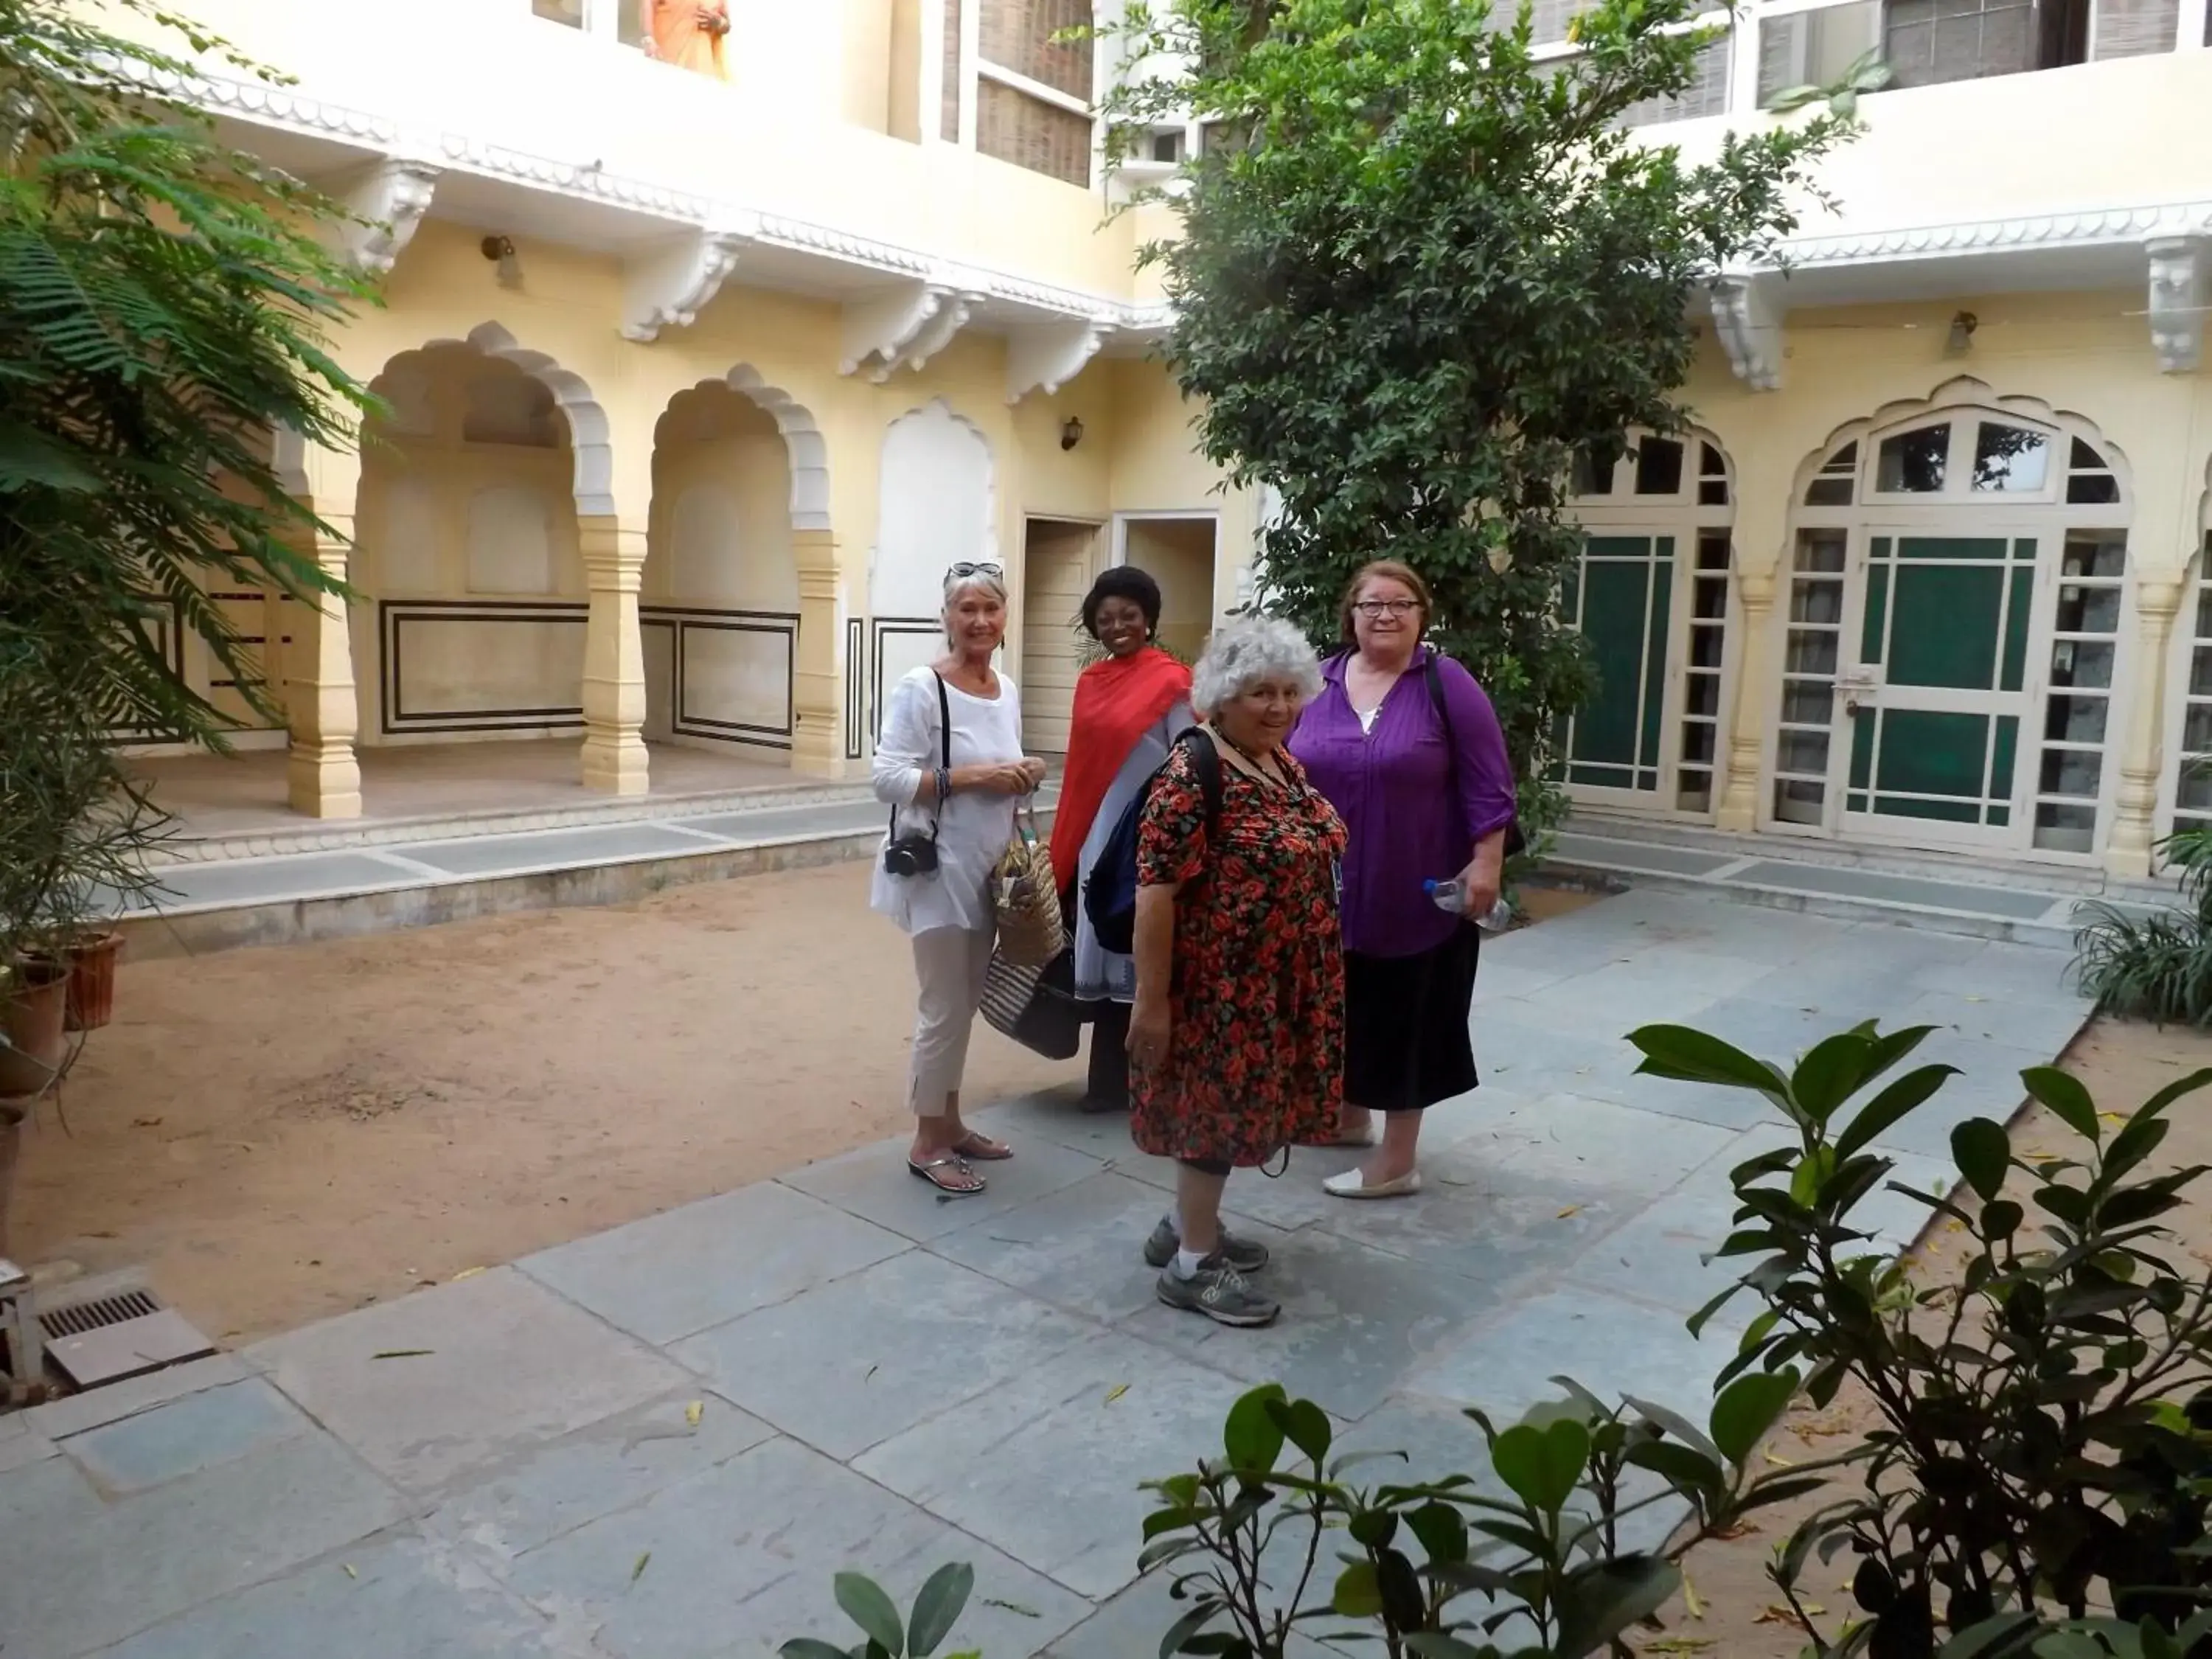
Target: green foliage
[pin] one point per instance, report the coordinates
(2155, 966)
(2040, 1476)
(161, 303)
(936, 1610)
(1418, 270)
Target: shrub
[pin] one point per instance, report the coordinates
(2155, 966)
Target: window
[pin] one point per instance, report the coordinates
(1970, 454)
(1913, 463)
(2192, 787)
(1650, 596)
(2077, 708)
(1811, 659)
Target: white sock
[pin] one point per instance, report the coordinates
(1187, 1264)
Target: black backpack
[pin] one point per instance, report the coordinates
(1109, 895)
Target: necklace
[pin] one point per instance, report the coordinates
(1258, 765)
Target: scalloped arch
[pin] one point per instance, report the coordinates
(804, 445)
(1964, 392)
(1690, 432)
(942, 408)
(589, 444)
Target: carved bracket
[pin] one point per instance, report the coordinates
(906, 326)
(1046, 357)
(669, 288)
(2180, 276)
(387, 201)
(1747, 318)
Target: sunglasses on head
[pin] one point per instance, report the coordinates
(960, 572)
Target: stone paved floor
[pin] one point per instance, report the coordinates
(503, 1466)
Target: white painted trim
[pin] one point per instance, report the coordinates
(2189, 26)
(1037, 89)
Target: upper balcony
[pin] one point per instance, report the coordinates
(951, 139)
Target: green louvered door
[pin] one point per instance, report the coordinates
(1934, 706)
(1621, 598)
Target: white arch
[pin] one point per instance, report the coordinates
(805, 447)
(884, 588)
(1964, 392)
(588, 427)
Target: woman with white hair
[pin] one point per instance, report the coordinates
(1236, 1036)
(949, 764)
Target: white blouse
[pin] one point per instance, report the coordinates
(973, 826)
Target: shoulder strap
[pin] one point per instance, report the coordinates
(1205, 761)
(945, 720)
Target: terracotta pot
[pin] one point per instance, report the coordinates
(31, 1016)
(92, 981)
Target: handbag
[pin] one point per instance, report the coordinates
(1025, 894)
(1035, 1006)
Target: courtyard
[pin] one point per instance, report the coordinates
(658, 1439)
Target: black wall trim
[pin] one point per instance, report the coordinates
(393, 615)
(856, 686)
(682, 621)
(887, 627)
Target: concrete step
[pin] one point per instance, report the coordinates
(1754, 871)
(292, 898)
(1962, 868)
(309, 836)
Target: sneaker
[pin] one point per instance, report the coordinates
(1247, 1255)
(1221, 1292)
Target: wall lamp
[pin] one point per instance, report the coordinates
(1961, 339)
(1071, 432)
(500, 252)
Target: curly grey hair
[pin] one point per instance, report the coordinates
(1243, 653)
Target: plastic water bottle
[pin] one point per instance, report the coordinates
(1451, 896)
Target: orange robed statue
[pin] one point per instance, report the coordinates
(687, 34)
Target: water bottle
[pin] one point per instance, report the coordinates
(1449, 896)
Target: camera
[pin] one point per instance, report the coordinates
(911, 855)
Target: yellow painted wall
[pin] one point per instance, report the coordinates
(1179, 554)
(720, 519)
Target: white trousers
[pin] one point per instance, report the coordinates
(950, 964)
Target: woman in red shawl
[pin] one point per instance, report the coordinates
(1128, 709)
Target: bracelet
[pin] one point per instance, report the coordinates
(944, 782)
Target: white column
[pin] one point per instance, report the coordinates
(321, 706)
(2141, 757)
(971, 53)
(2189, 32)
(1743, 63)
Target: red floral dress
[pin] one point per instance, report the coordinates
(1255, 1050)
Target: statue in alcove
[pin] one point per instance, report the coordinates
(688, 33)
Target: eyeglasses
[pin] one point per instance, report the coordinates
(1371, 609)
(961, 571)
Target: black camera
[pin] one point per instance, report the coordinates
(911, 855)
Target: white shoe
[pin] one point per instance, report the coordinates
(1353, 1183)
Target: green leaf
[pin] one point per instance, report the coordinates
(1676, 1425)
(1251, 1436)
(1358, 1595)
(1831, 1073)
(938, 1608)
(1686, 1055)
(2064, 1096)
(1441, 1530)
(1436, 1645)
(1747, 1408)
(1542, 1466)
(1403, 1602)
(1900, 1099)
(1304, 1424)
(865, 1603)
(1983, 1152)
(1597, 1602)
(805, 1647)
(1977, 1640)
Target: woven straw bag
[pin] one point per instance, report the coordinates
(1023, 892)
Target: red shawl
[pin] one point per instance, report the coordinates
(1116, 702)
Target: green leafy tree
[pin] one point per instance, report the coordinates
(163, 300)
(1418, 270)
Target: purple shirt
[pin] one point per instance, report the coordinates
(1393, 788)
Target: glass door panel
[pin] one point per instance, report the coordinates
(1621, 601)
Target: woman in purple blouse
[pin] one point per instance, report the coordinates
(1405, 745)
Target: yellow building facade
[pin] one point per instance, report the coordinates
(697, 386)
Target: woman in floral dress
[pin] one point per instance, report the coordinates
(1236, 1036)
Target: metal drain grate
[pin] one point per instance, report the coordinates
(113, 1328)
(92, 1316)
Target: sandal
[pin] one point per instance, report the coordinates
(948, 1184)
(981, 1148)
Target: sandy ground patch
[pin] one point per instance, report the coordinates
(284, 1134)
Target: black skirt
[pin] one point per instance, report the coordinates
(1407, 1041)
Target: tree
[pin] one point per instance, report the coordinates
(162, 303)
(1419, 270)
